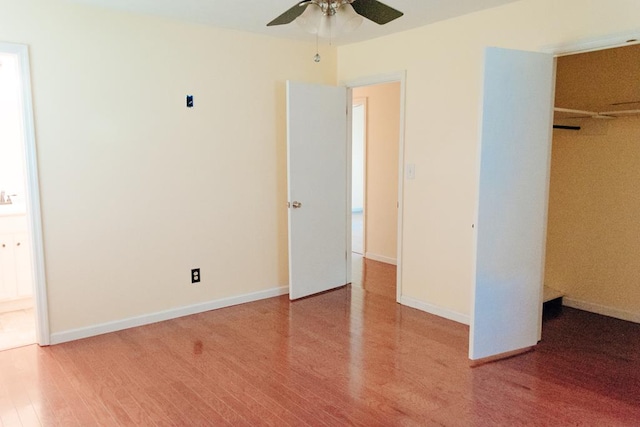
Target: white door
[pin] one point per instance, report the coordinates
(317, 187)
(512, 211)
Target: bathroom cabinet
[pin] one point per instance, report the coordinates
(15, 263)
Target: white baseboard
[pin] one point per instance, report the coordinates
(381, 258)
(602, 309)
(132, 322)
(435, 310)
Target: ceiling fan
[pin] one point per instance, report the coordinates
(373, 10)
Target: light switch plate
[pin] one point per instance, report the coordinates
(411, 171)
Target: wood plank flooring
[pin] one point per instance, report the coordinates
(347, 357)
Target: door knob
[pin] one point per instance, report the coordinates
(296, 205)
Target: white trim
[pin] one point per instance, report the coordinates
(593, 44)
(132, 322)
(604, 310)
(401, 77)
(397, 76)
(34, 216)
(435, 310)
(380, 258)
(349, 180)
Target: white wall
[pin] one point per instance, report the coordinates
(137, 189)
(444, 64)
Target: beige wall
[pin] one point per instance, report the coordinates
(383, 130)
(136, 189)
(593, 237)
(444, 63)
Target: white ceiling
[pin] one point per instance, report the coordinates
(253, 15)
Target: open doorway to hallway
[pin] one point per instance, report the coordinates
(375, 170)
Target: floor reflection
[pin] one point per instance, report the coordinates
(373, 276)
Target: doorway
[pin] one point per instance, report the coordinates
(23, 318)
(375, 168)
(319, 186)
(17, 317)
(593, 200)
(518, 291)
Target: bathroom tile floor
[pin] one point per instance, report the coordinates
(17, 329)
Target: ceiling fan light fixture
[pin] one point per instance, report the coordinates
(328, 20)
(311, 18)
(308, 14)
(328, 28)
(348, 19)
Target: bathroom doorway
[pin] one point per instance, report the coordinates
(21, 274)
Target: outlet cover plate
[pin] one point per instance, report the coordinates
(195, 275)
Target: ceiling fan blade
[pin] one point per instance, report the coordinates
(375, 11)
(290, 15)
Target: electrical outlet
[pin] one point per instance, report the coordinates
(195, 275)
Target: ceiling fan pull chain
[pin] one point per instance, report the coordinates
(317, 57)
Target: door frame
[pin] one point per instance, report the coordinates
(34, 215)
(610, 41)
(395, 77)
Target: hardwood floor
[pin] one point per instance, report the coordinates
(347, 357)
(376, 277)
